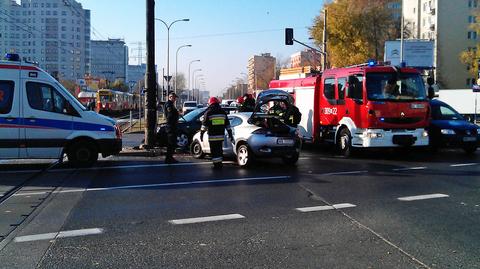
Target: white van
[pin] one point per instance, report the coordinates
(40, 119)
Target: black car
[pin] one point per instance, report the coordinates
(187, 126)
(449, 129)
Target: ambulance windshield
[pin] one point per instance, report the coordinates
(72, 98)
(395, 87)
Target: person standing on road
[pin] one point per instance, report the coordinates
(171, 115)
(215, 121)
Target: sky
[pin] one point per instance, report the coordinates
(224, 34)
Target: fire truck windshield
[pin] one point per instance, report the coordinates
(395, 87)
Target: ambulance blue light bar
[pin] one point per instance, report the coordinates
(12, 57)
(372, 63)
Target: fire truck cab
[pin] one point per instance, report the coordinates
(362, 106)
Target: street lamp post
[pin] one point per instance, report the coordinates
(200, 77)
(192, 80)
(176, 65)
(189, 80)
(168, 47)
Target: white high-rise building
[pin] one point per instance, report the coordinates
(446, 23)
(54, 33)
(109, 59)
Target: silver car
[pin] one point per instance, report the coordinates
(255, 138)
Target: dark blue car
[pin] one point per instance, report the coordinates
(450, 129)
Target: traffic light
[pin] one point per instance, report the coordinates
(288, 36)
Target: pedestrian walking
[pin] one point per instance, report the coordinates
(215, 121)
(171, 115)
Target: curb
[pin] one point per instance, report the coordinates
(131, 152)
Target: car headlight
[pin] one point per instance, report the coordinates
(425, 133)
(448, 132)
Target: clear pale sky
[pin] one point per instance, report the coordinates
(224, 33)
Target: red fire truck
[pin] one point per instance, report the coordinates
(361, 106)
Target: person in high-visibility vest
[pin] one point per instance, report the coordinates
(215, 121)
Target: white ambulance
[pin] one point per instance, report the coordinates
(40, 119)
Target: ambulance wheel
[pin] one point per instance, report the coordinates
(82, 154)
(344, 143)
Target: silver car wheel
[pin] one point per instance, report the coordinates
(182, 140)
(242, 155)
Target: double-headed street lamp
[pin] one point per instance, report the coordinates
(176, 65)
(168, 47)
(199, 77)
(192, 81)
(189, 78)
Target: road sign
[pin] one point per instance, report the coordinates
(416, 53)
(167, 78)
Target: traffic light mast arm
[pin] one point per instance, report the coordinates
(314, 49)
(289, 39)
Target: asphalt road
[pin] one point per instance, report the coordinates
(380, 209)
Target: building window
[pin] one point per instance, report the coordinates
(472, 35)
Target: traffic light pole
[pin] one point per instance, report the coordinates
(150, 77)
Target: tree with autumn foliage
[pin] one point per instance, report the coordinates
(471, 56)
(357, 30)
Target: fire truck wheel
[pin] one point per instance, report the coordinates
(344, 143)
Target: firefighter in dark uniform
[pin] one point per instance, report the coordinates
(292, 116)
(215, 121)
(248, 104)
(171, 114)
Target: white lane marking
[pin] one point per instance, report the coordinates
(206, 219)
(20, 171)
(64, 234)
(345, 173)
(163, 185)
(325, 207)
(463, 164)
(410, 168)
(131, 166)
(423, 197)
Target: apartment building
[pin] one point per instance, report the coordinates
(447, 24)
(261, 70)
(54, 33)
(306, 58)
(110, 59)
